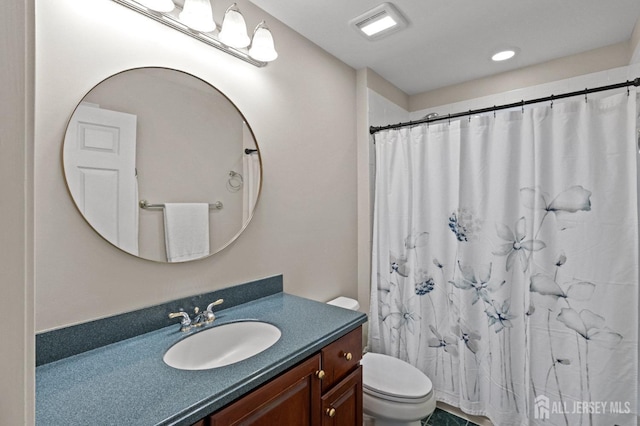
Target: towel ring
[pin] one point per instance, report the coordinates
(235, 181)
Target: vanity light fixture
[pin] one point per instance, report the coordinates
(381, 21)
(195, 19)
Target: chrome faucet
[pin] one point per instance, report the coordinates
(200, 318)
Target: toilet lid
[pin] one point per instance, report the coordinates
(391, 377)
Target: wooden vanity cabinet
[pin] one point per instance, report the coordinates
(323, 390)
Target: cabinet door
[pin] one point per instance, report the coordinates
(342, 405)
(290, 399)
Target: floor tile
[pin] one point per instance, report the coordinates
(442, 418)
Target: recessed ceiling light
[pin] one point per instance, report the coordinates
(503, 55)
(379, 22)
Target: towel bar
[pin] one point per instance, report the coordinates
(144, 204)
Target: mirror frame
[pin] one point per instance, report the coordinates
(257, 147)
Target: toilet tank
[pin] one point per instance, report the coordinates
(345, 302)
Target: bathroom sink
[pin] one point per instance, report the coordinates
(222, 345)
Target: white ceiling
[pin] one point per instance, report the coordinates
(451, 41)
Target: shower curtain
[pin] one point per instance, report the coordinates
(505, 261)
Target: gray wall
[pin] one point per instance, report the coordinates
(16, 211)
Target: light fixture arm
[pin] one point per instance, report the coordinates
(171, 21)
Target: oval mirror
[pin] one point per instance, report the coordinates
(162, 165)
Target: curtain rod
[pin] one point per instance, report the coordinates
(585, 92)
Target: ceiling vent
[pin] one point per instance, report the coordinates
(379, 22)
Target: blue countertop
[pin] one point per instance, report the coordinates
(128, 383)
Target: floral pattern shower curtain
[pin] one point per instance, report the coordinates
(505, 261)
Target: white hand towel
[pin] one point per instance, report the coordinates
(186, 231)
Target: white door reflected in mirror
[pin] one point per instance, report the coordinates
(101, 172)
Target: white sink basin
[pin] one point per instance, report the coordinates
(222, 345)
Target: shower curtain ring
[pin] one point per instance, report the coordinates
(523, 106)
(469, 116)
(585, 95)
(494, 111)
(551, 101)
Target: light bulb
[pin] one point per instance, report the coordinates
(262, 46)
(197, 15)
(234, 29)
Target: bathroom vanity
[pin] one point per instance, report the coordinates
(311, 375)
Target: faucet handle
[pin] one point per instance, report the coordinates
(216, 303)
(185, 322)
(209, 311)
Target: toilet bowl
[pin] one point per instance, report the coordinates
(395, 393)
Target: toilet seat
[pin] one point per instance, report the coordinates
(392, 379)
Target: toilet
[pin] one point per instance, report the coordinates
(395, 393)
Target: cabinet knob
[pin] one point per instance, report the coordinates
(348, 356)
(331, 412)
(320, 374)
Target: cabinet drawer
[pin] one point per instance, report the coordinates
(341, 357)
